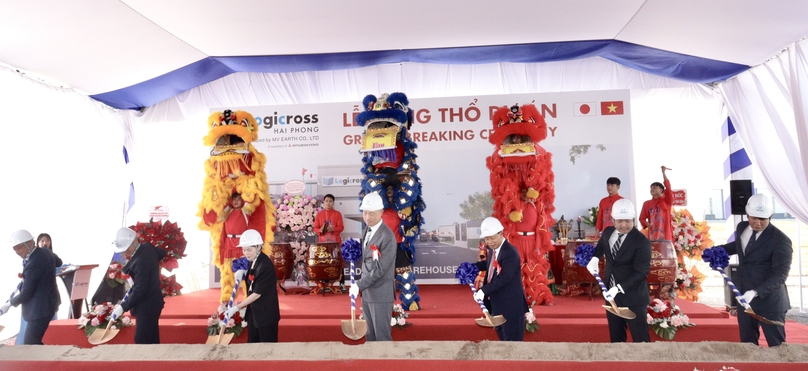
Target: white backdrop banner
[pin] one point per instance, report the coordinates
(589, 135)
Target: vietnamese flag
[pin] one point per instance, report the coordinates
(611, 108)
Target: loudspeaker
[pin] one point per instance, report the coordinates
(739, 193)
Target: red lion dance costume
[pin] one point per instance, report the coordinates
(522, 187)
(234, 166)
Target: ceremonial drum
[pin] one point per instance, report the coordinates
(663, 268)
(575, 274)
(283, 259)
(324, 263)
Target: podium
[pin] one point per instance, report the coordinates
(77, 282)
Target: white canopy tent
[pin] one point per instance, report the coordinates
(173, 61)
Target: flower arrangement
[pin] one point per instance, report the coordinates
(169, 237)
(166, 236)
(399, 319)
(115, 275)
(99, 316)
(295, 213)
(235, 325)
(666, 319)
(592, 218)
(688, 282)
(169, 285)
(530, 322)
(300, 250)
(689, 236)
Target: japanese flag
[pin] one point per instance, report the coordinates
(585, 109)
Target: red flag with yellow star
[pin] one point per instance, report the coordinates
(611, 108)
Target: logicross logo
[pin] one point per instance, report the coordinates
(341, 181)
(279, 120)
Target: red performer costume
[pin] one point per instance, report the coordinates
(605, 212)
(393, 221)
(332, 218)
(522, 188)
(656, 215)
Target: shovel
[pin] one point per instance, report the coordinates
(354, 329)
(748, 309)
(101, 337)
(621, 312)
(488, 320)
(9, 299)
(222, 338)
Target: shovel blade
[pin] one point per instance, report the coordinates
(621, 312)
(99, 337)
(489, 321)
(354, 329)
(760, 318)
(484, 322)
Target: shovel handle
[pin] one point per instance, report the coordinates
(19, 287)
(603, 287)
(114, 317)
(233, 296)
(480, 302)
(353, 298)
(738, 295)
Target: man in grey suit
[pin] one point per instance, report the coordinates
(764, 260)
(378, 271)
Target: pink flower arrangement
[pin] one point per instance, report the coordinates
(99, 316)
(666, 319)
(295, 213)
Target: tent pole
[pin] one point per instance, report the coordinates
(799, 262)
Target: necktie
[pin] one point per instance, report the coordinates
(617, 243)
(367, 238)
(615, 248)
(493, 264)
(751, 241)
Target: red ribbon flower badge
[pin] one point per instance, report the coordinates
(376, 252)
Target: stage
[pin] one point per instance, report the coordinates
(448, 313)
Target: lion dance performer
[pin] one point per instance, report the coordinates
(235, 197)
(522, 187)
(389, 168)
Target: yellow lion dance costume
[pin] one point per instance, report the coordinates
(236, 194)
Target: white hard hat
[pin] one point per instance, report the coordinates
(489, 227)
(250, 237)
(759, 206)
(623, 209)
(20, 236)
(124, 239)
(372, 202)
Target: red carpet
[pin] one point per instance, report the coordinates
(448, 313)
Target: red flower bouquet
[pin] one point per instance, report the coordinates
(169, 285)
(98, 316)
(235, 325)
(166, 236)
(115, 275)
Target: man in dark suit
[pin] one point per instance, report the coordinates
(764, 261)
(377, 284)
(628, 261)
(145, 298)
(38, 295)
(502, 291)
(263, 309)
